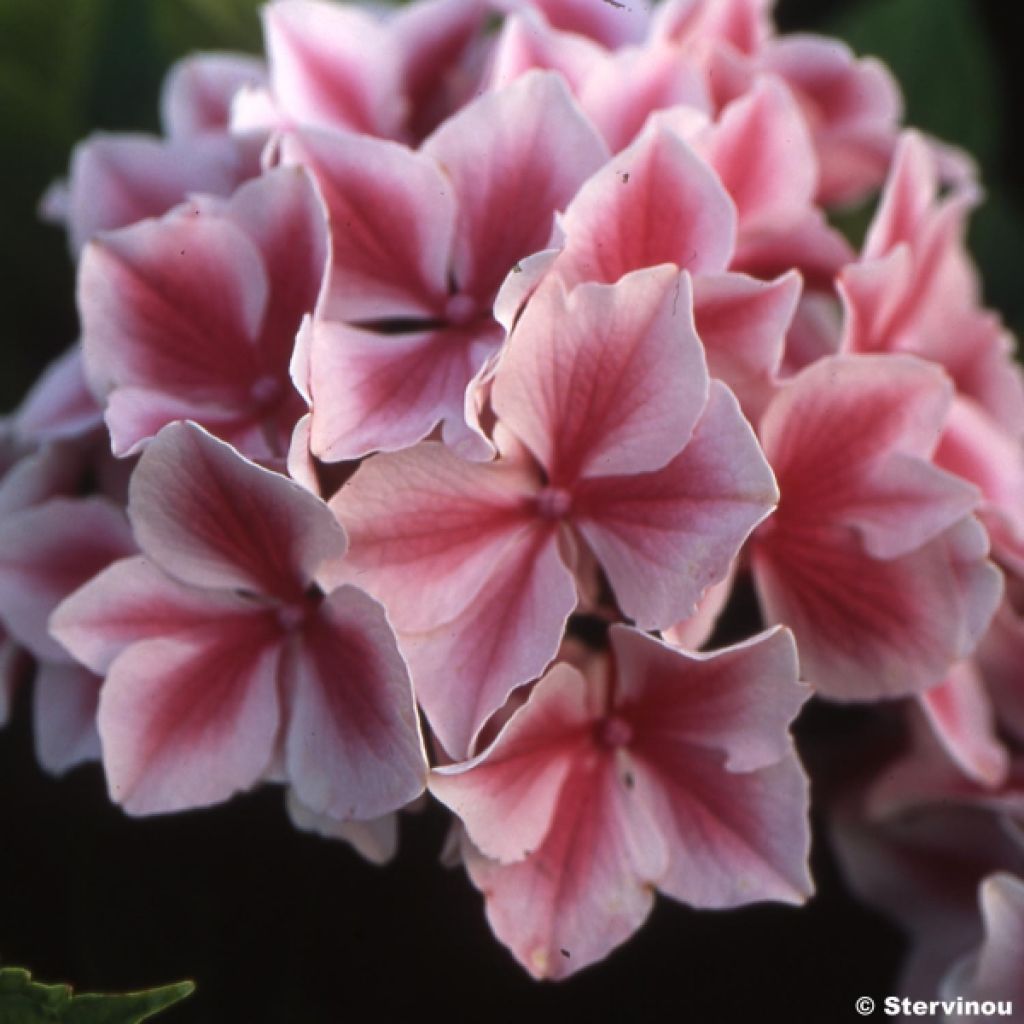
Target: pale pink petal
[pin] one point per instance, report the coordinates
(992, 975)
(392, 216)
(607, 24)
(907, 199)
(737, 838)
(132, 600)
(386, 392)
(814, 334)
(853, 108)
(464, 670)
(508, 796)
(848, 439)
(527, 42)
(427, 530)
(606, 379)
(135, 416)
(333, 66)
(664, 537)
(48, 551)
(116, 180)
(743, 323)
(188, 722)
(352, 743)
(809, 245)
(300, 464)
(212, 519)
(763, 153)
(60, 404)
(376, 840)
(52, 470)
(656, 202)
(694, 632)
(65, 698)
(959, 711)
(868, 628)
(176, 305)
(739, 701)
(434, 37)
(1000, 656)
(514, 157)
(587, 888)
(196, 95)
(624, 89)
(283, 213)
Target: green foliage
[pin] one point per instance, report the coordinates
(24, 1001)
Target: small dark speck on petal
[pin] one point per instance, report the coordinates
(564, 953)
(182, 252)
(517, 269)
(628, 781)
(624, 175)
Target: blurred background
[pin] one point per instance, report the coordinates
(275, 925)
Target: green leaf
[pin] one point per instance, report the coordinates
(942, 58)
(24, 1001)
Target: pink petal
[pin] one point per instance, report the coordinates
(386, 392)
(175, 305)
(212, 519)
(589, 886)
(612, 26)
(739, 701)
(508, 795)
(736, 838)
(848, 440)
(132, 600)
(427, 530)
(48, 551)
(65, 698)
(664, 537)
(463, 671)
(763, 153)
(694, 632)
(60, 404)
(188, 722)
(197, 92)
(376, 840)
(656, 202)
(514, 157)
(435, 36)
(621, 92)
(116, 180)
(606, 379)
(909, 194)
(853, 107)
(283, 213)
(392, 215)
(868, 628)
(743, 324)
(959, 711)
(10, 675)
(528, 42)
(352, 745)
(992, 973)
(333, 66)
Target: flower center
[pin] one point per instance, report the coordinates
(291, 616)
(613, 732)
(264, 389)
(553, 503)
(459, 310)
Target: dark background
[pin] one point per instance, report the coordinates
(275, 925)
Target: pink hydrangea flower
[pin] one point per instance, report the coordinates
(224, 663)
(659, 770)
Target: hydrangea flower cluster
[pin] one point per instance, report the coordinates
(441, 381)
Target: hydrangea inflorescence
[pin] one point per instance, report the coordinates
(443, 378)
